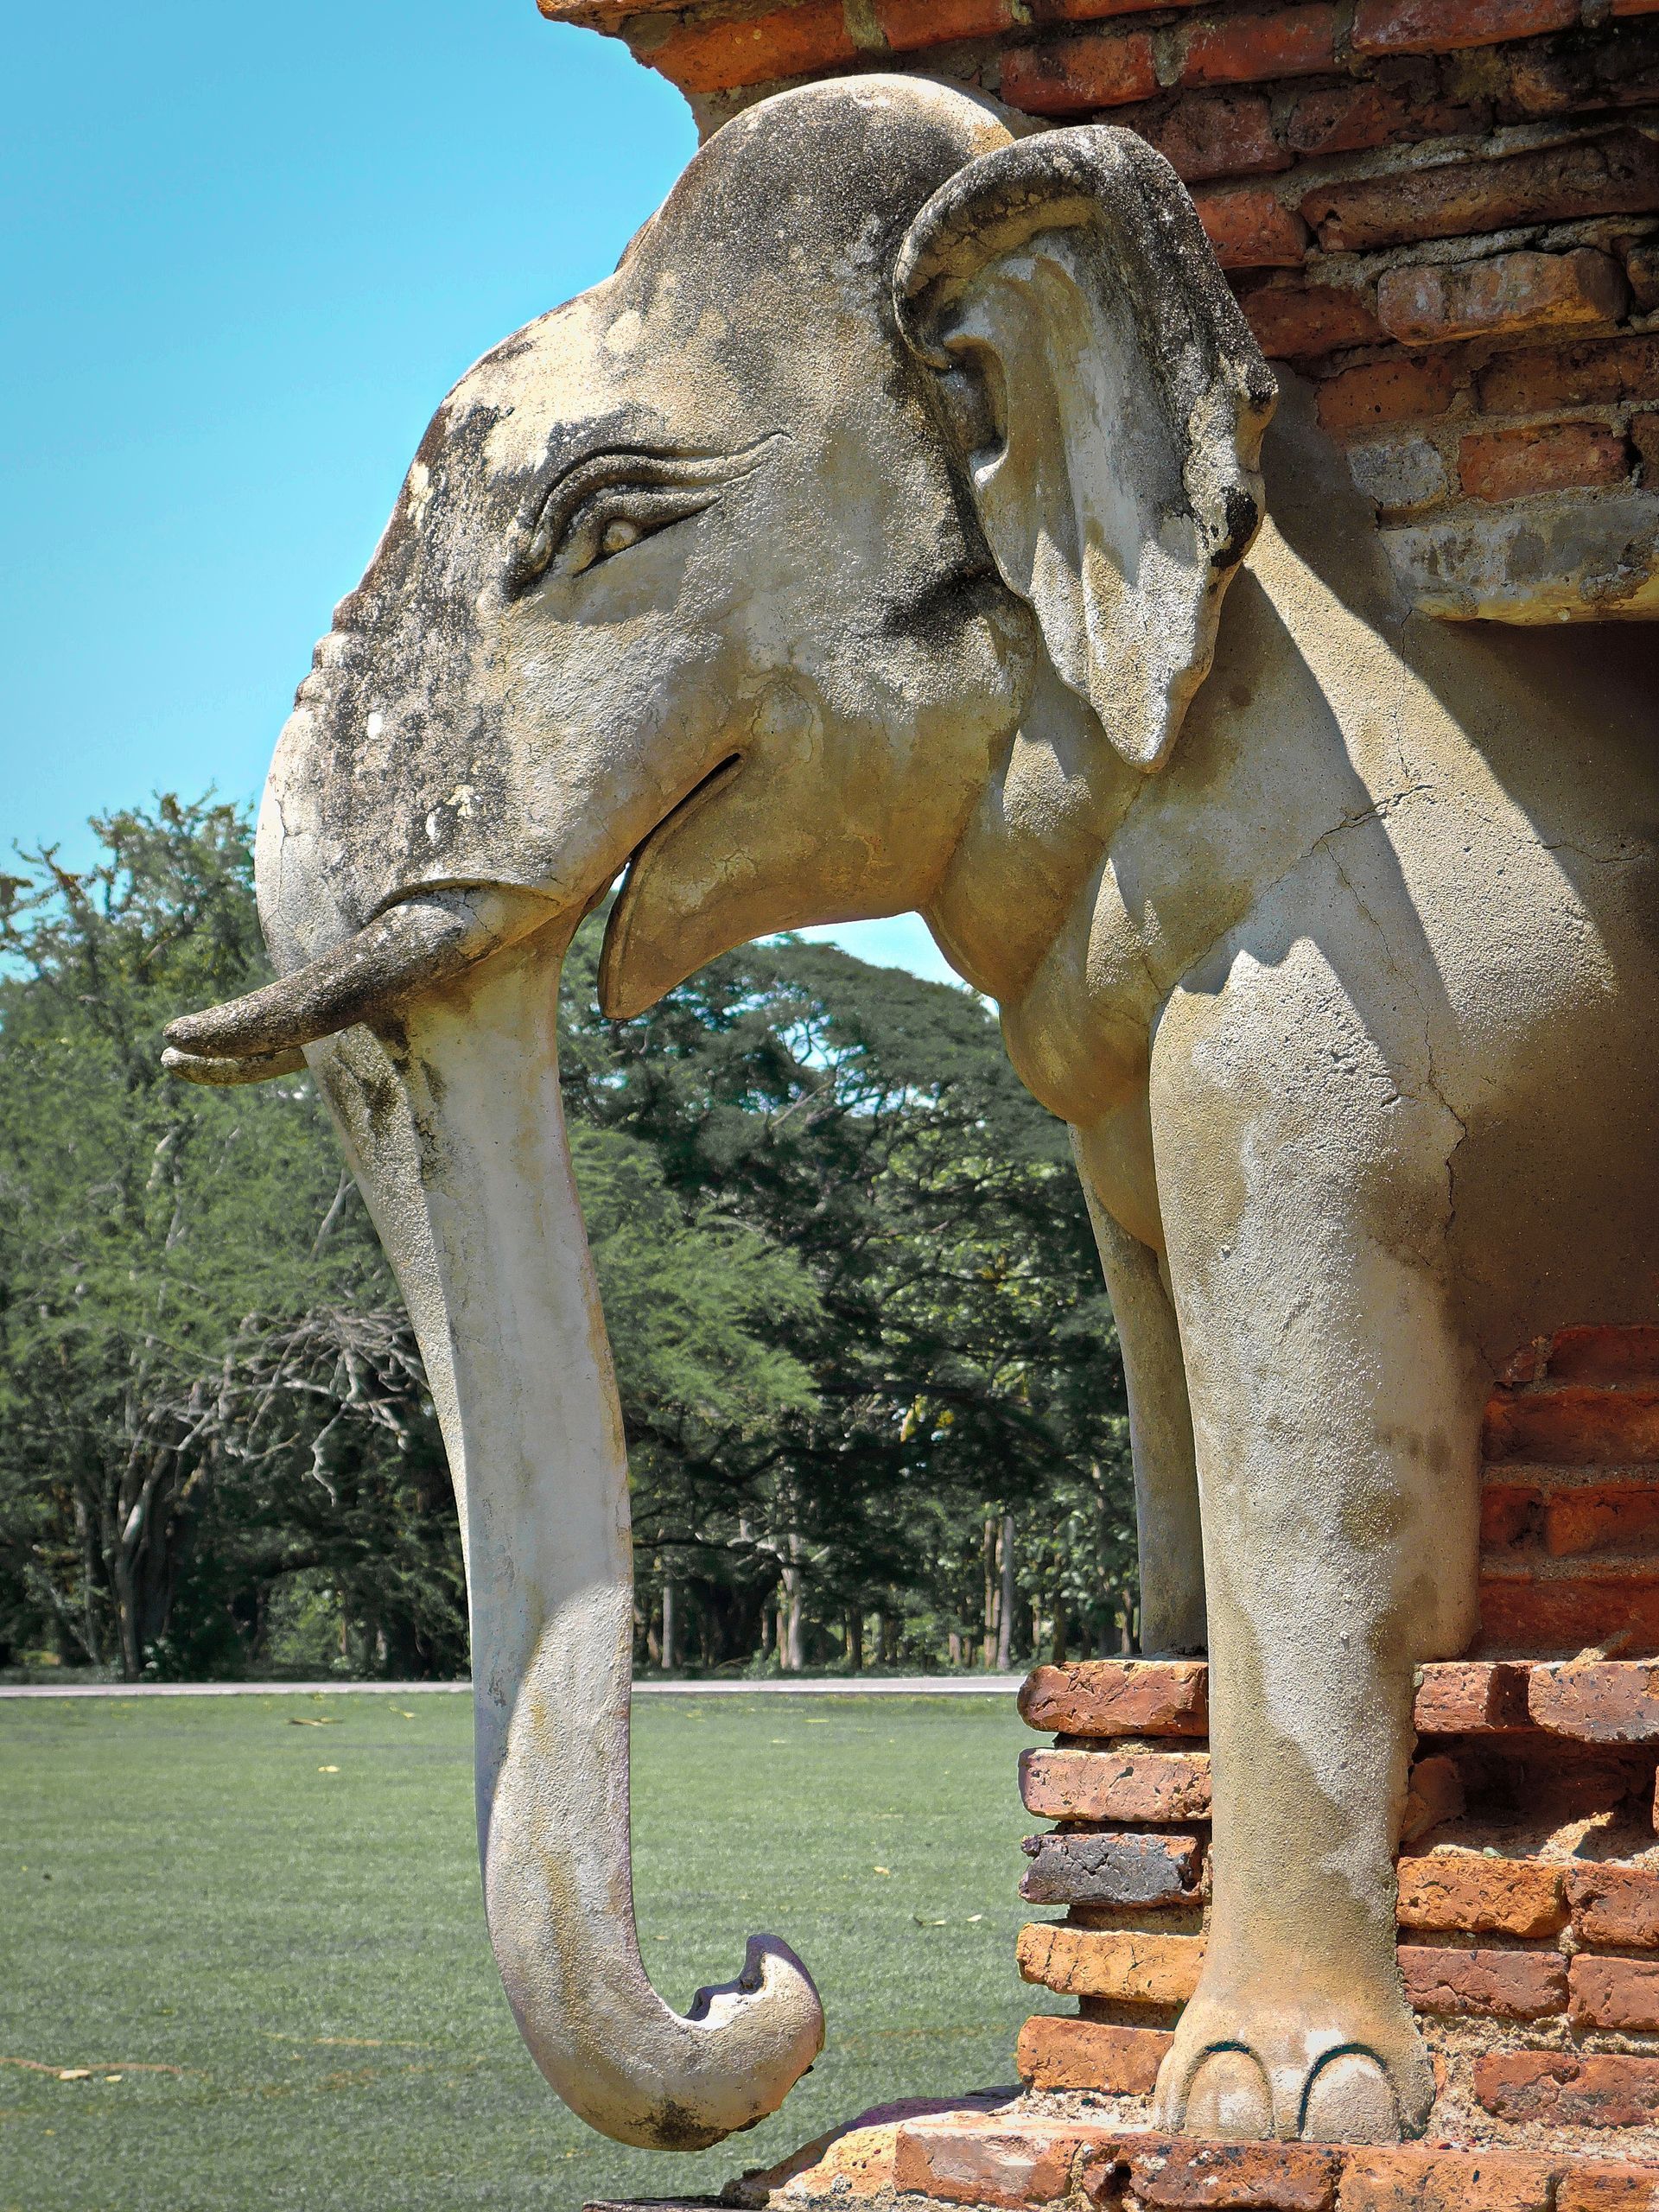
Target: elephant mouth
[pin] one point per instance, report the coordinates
(431, 937)
(616, 998)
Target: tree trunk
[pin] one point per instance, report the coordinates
(953, 1646)
(855, 1641)
(889, 1640)
(1005, 1598)
(792, 1623)
(671, 1627)
(1058, 1649)
(992, 1591)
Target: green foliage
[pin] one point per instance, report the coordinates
(206, 1382)
(846, 1267)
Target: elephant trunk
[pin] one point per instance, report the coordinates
(453, 1120)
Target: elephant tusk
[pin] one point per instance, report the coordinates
(426, 940)
(221, 1073)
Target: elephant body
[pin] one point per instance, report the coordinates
(1356, 1023)
(861, 545)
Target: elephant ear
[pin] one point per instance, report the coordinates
(1108, 400)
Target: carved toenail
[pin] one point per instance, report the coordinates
(1349, 2100)
(1229, 2097)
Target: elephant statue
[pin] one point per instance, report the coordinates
(860, 546)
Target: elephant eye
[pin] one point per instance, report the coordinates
(612, 501)
(618, 536)
(618, 519)
(609, 522)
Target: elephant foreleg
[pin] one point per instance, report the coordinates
(1160, 1434)
(1336, 1415)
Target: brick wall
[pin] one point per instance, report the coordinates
(1528, 1889)
(1445, 211)
(1529, 1876)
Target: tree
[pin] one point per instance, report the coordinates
(868, 1372)
(187, 1284)
(962, 1347)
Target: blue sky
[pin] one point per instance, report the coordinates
(247, 251)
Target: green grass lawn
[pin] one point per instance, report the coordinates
(287, 1966)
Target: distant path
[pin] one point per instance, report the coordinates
(773, 1686)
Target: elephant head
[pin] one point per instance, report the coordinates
(737, 573)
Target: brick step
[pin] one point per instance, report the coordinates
(1130, 1966)
(1111, 1785)
(1444, 1891)
(991, 2151)
(1566, 2088)
(1593, 1701)
(1540, 1612)
(1029, 2159)
(1077, 73)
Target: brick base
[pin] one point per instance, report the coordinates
(1033, 2152)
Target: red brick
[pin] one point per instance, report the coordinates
(1247, 227)
(1548, 79)
(1434, 1794)
(975, 2158)
(1089, 2055)
(1615, 1905)
(1602, 1516)
(1116, 1786)
(1616, 174)
(1344, 119)
(1466, 1893)
(1107, 1866)
(1596, 1701)
(1574, 1424)
(1294, 321)
(1089, 12)
(853, 2161)
(1188, 2177)
(908, 23)
(1427, 303)
(1625, 1355)
(1645, 437)
(1511, 1516)
(1118, 1697)
(1121, 1963)
(1564, 2089)
(1435, 27)
(1214, 134)
(1400, 390)
(1642, 267)
(1557, 457)
(1526, 1365)
(1583, 375)
(1471, 1698)
(1523, 1614)
(1586, 2186)
(1614, 1992)
(1411, 2179)
(1071, 75)
(718, 57)
(1489, 1985)
(1252, 49)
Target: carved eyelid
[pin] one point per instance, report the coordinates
(550, 514)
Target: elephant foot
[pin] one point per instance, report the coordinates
(1297, 2064)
